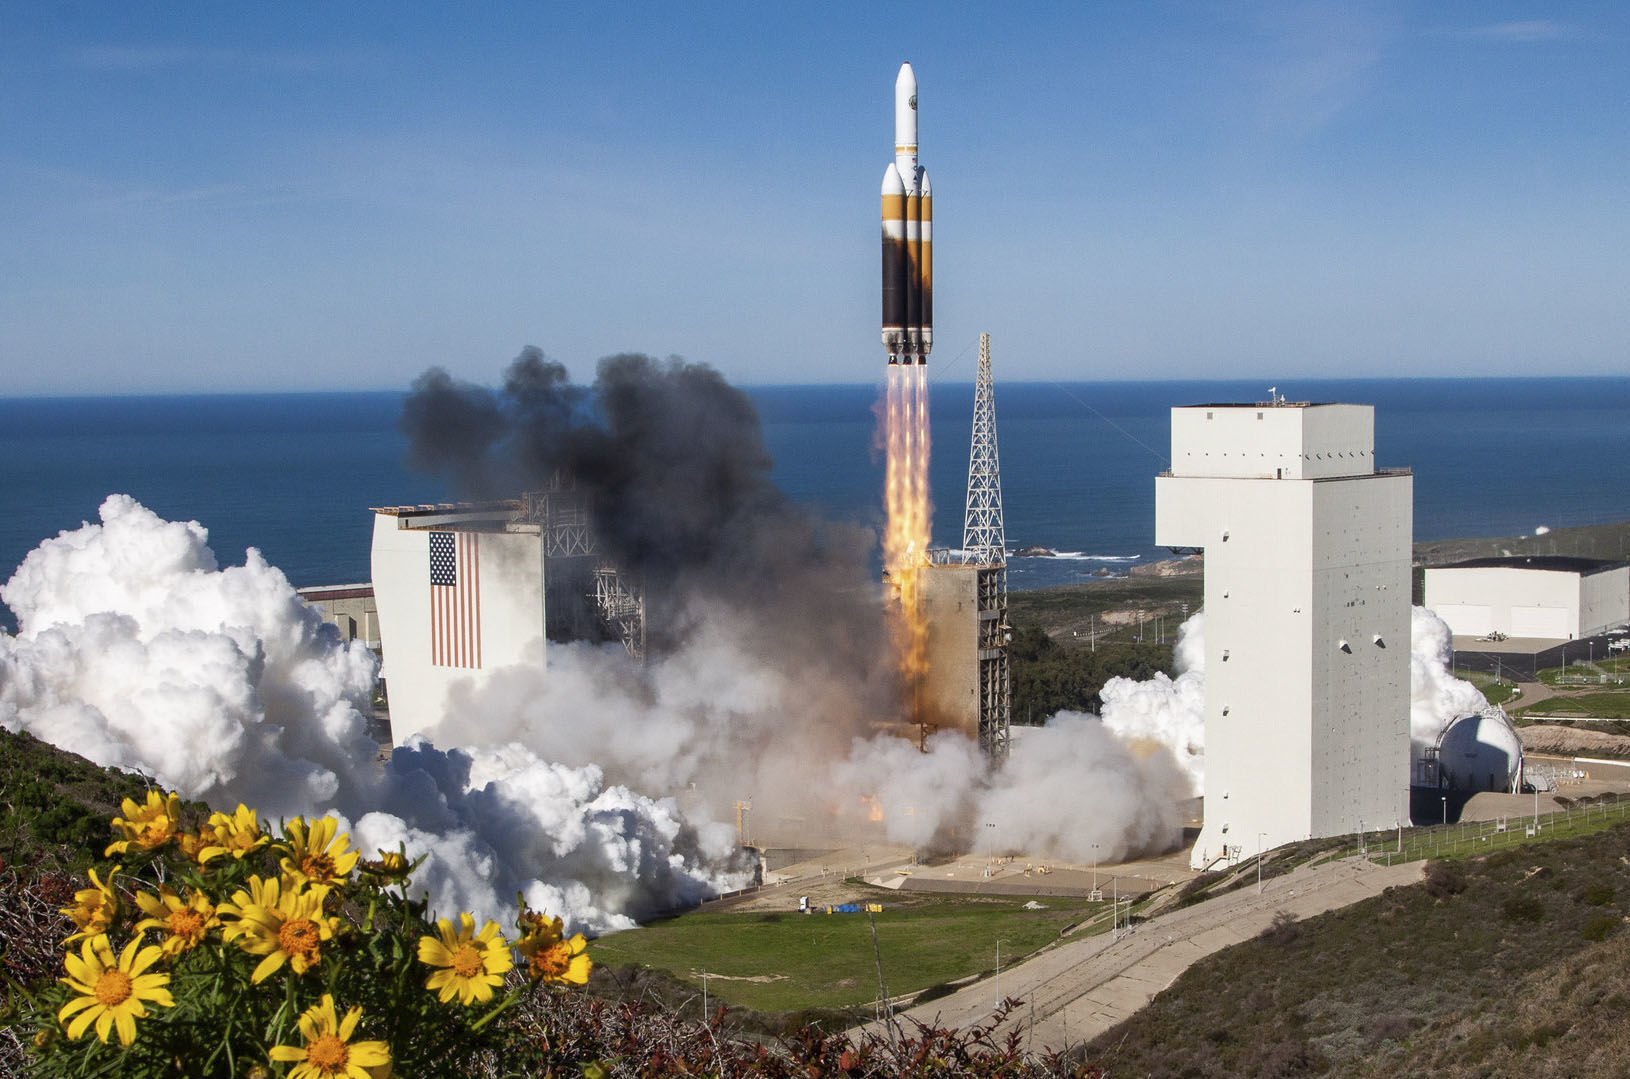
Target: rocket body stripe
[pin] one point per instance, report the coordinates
(914, 253)
(894, 261)
(925, 268)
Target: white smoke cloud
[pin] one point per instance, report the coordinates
(1436, 697)
(1166, 711)
(600, 789)
(1076, 790)
(134, 649)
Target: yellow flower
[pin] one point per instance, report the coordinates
(319, 855)
(282, 921)
(146, 826)
(549, 956)
(111, 994)
(471, 964)
(190, 844)
(329, 1050)
(237, 834)
(390, 865)
(184, 923)
(94, 908)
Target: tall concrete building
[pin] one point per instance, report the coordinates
(1307, 633)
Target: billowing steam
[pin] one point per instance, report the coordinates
(1170, 712)
(1167, 711)
(135, 650)
(1436, 697)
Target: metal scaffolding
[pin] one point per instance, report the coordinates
(566, 528)
(984, 544)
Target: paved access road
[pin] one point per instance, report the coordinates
(1078, 988)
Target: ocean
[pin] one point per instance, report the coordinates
(294, 474)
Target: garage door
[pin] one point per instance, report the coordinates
(1466, 619)
(1551, 622)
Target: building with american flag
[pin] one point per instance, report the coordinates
(460, 593)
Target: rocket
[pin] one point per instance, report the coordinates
(908, 230)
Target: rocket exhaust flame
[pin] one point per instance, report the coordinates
(906, 539)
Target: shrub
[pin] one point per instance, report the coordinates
(1444, 879)
(1522, 908)
(1599, 927)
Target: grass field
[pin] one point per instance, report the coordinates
(1609, 705)
(776, 962)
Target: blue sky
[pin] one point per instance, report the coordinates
(212, 196)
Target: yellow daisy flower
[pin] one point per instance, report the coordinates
(550, 957)
(190, 844)
(319, 855)
(111, 994)
(282, 921)
(389, 866)
(237, 834)
(329, 1050)
(183, 922)
(94, 908)
(472, 964)
(146, 826)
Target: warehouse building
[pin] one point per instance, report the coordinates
(1546, 598)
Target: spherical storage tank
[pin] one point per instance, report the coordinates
(1480, 752)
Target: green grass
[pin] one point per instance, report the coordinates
(826, 960)
(1495, 692)
(1608, 705)
(1581, 674)
(1475, 838)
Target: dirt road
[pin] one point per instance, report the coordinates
(1081, 987)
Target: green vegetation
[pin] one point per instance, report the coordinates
(1602, 671)
(1496, 692)
(1598, 705)
(56, 805)
(1108, 609)
(1504, 964)
(775, 962)
(1049, 677)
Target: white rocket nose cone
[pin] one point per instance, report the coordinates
(905, 118)
(905, 86)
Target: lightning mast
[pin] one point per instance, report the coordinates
(984, 545)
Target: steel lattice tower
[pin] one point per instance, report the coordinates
(984, 544)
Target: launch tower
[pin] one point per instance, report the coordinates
(984, 546)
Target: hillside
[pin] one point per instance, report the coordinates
(1506, 965)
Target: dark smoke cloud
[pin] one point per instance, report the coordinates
(673, 462)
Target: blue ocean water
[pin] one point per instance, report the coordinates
(294, 474)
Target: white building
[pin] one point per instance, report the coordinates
(460, 592)
(1307, 597)
(1545, 597)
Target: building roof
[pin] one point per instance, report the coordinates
(1555, 563)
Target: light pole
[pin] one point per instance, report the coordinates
(999, 944)
(1260, 836)
(1095, 869)
(1445, 801)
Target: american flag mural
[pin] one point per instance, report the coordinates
(455, 599)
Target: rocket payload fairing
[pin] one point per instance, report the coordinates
(908, 233)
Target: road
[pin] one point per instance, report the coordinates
(1081, 987)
